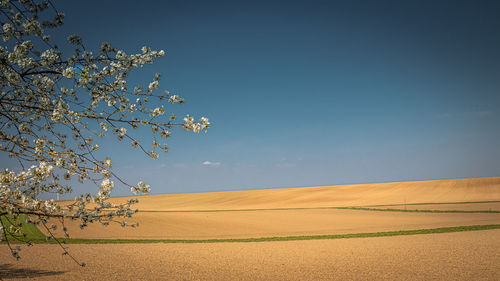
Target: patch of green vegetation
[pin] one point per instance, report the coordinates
(416, 211)
(435, 203)
(288, 238)
(30, 231)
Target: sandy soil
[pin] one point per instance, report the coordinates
(462, 190)
(245, 224)
(266, 223)
(462, 207)
(449, 256)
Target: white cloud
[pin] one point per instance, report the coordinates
(211, 164)
(286, 165)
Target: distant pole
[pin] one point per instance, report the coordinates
(57, 196)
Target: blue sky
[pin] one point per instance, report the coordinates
(313, 92)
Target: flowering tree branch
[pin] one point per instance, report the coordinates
(53, 106)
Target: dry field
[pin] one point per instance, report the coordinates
(304, 211)
(254, 224)
(462, 190)
(473, 255)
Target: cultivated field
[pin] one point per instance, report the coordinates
(462, 190)
(286, 214)
(243, 224)
(306, 211)
(448, 256)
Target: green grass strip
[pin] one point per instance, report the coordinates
(417, 211)
(285, 238)
(435, 203)
(31, 231)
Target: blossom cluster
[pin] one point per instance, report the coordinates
(53, 107)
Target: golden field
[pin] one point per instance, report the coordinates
(460, 190)
(473, 255)
(448, 256)
(303, 211)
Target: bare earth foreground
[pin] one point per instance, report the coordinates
(473, 255)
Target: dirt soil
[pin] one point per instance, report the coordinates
(449, 256)
(267, 223)
(461, 190)
(471, 255)
(246, 224)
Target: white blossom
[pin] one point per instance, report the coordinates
(68, 73)
(174, 99)
(154, 85)
(49, 57)
(32, 26)
(140, 188)
(157, 111)
(58, 106)
(8, 30)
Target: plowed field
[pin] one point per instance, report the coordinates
(473, 255)
(303, 211)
